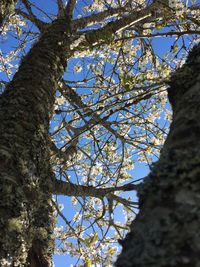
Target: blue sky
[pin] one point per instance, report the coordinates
(161, 45)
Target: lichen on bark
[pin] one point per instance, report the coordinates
(166, 230)
(26, 214)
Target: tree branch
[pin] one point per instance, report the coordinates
(159, 34)
(38, 23)
(61, 9)
(30, 16)
(70, 189)
(66, 155)
(105, 34)
(74, 98)
(70, 8)
(94, 18)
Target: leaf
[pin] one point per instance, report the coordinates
(89, 241)
(159, 26)
(94, 238)
(175, 48)
(88, 263)
(127, 81)
(111, 251)
(19, 30)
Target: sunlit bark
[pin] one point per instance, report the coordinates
(25, 108)
(26, 213)
(25, 172)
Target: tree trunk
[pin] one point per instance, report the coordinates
(7, 7)
(26, 221)
(166, 230)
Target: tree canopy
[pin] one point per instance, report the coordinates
(110, 109)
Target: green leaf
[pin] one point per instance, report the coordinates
(160, 25)
(88, 263)
(175, 48)
(94, 238)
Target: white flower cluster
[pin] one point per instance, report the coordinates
(6, 64)
(5, 263)
(15, 22)
(77, 42)
(178, 6)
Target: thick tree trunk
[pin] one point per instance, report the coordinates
(26, 220)
(166, 230)
(7, 7)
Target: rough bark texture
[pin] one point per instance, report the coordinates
(26, 220)
(166, 230)
(7, 7)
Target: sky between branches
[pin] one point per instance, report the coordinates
(111, 113)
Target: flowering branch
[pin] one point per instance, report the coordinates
(69, 189)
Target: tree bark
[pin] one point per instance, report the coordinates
(26, 219)
(166, 230)
(26, 214)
